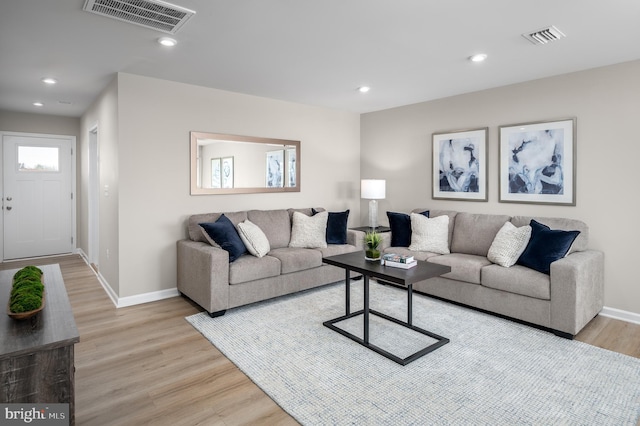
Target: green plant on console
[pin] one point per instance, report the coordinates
(27, 290)
(372, 240)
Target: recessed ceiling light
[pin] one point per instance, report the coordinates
(364, 89)
(167, 41)
(478, 58)
(38, 104)
(49, 80)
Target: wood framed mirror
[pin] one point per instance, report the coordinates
(233, 164)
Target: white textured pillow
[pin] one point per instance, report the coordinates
(309, 231)
(253, 238)
(509, 244)
(430, 234)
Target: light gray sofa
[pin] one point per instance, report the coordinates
(563, 301)
(206, 276)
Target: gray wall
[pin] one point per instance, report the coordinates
(145, 159)
(396, 146)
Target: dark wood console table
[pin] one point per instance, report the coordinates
(36, 354)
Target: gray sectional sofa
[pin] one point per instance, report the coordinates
(564, 300)
(206, 276)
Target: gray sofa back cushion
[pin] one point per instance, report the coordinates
(435, 213)
(474, 233)
(195, 232)
(580, 244)
(276, 225)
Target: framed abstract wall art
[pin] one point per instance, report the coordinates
(537, 162)
(227, 172)
(275, 169)
(291, 168)
(216, 167)
(460, 165)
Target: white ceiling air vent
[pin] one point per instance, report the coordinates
(154, 14)
(544, 36)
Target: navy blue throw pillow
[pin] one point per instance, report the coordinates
(336, 227)
(400, 224)
(226, 236)
(546, 246)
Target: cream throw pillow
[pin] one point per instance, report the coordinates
(509, 244)
(430, 234)
(309, 231)
(253, 238)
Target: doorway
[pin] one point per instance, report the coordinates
(38, 195)
(94, 199)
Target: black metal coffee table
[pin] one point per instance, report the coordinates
(404, 277)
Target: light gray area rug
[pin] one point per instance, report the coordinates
(493, 372)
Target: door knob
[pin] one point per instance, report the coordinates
(8, 207)
(9, 198)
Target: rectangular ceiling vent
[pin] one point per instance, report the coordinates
(155, 14)
(544, 36)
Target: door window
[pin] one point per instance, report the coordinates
(38, 159)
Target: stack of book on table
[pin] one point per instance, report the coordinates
(399, 261)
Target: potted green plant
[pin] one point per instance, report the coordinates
(27, 293)
(372, 240)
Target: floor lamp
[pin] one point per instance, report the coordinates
(373, 189)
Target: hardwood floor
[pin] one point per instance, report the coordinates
(146, 365)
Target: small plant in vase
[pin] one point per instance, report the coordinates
(372, 240)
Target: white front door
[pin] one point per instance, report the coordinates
(37, 195)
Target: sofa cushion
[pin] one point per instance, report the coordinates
(224, 233)
(306, 211)
(335, 249)
(336, 227)
(400, 225)
(436, 212)
(195, 231)
(253, 238)
(474, 233)
(464, 267)
(297, 259)
(250, 268)
(429, 234)
(309, 231)
(275, 224)
(404, 251)
(546, 246)
(580, 244)
(509, 244)
(517, 279)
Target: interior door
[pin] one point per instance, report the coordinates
(37, 195)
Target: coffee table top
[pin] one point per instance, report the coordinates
(355, 261)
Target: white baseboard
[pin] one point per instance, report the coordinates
(619, 314)
(103, 282)
(121, 302)
(147, 297)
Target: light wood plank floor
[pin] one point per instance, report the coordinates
(146, 365)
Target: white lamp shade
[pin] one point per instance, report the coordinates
(373, 189)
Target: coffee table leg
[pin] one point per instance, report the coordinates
(410, 304)
(347, 293)
(366, 309)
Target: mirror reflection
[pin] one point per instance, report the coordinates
(231, 164)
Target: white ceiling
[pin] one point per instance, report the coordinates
(312, 52)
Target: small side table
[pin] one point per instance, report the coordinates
(368, 228)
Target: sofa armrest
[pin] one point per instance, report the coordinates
(577, 290)
(355, 238)
(203, 274)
